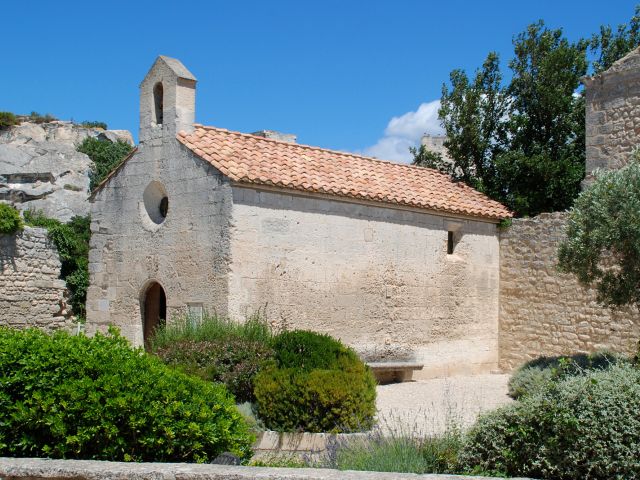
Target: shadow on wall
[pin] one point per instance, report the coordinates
(8, 252)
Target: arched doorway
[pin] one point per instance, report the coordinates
(154, 310)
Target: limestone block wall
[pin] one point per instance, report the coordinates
(31, 293)
(613, 114)
(378, 278)
(544, 312)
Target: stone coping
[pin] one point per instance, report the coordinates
(395, 365)
(45, 469)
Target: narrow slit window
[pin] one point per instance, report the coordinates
(158, 101)
(450, 243)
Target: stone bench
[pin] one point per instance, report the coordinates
(394, 372)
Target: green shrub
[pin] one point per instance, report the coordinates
(232, 361)
(105, 156)
(94, 124)
(315, 384)
(72, 241)
(35, 117)
(538, 373)
(398, 453)
(10, 221)
(218, 350)
(584, 426)
(210, 328)
(66, 396)
(8, 119)
(306, 350)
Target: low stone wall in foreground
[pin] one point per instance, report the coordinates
(41, 469)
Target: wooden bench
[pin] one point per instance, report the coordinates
(393, 372)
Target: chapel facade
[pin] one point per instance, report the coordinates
(381, 255)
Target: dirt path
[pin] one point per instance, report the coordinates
(426, 407)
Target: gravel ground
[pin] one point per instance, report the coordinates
(426, 407)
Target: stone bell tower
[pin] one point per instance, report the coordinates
(167, 101)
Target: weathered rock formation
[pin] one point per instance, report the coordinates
(40, 168)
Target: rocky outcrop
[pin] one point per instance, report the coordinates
(40, 168)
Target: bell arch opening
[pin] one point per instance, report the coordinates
(158, 103)
(154, 311)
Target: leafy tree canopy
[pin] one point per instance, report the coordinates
(602, 247)
(522, 142)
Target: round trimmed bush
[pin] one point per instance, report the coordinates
(581, 427)
(315, 384)
(66, 396)
(10, 221)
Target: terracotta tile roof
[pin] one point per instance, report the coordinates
(250, 159)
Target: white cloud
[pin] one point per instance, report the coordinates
(406, 131)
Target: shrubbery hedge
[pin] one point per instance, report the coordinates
(536, 375)
(10, 221)
(232, 361)
(315, 384)
(585, 426)
(217, 349)
(96, 398)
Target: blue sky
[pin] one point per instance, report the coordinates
(336, 73)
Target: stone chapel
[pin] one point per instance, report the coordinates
(201, 219)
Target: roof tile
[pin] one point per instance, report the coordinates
(247, 158)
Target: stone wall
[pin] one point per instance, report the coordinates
(544, 312)
(613, 114)
(31, 293)
(378, 278)
(47, 469)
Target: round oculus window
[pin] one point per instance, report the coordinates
(156, 203)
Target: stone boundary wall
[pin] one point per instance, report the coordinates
(31, 293)
(544, 312)
(43, 469)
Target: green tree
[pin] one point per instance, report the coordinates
(105, 156)
(423, 157)
(609, 46)
(523, 143)
(472, 115)
(602, 247)
(543, 164)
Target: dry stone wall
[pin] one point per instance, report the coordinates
(31, 293)
(544, 312)
(612, 114)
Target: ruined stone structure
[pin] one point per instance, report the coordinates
(435, 143)
(204, 219)
(613, 114)
(32, 293)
